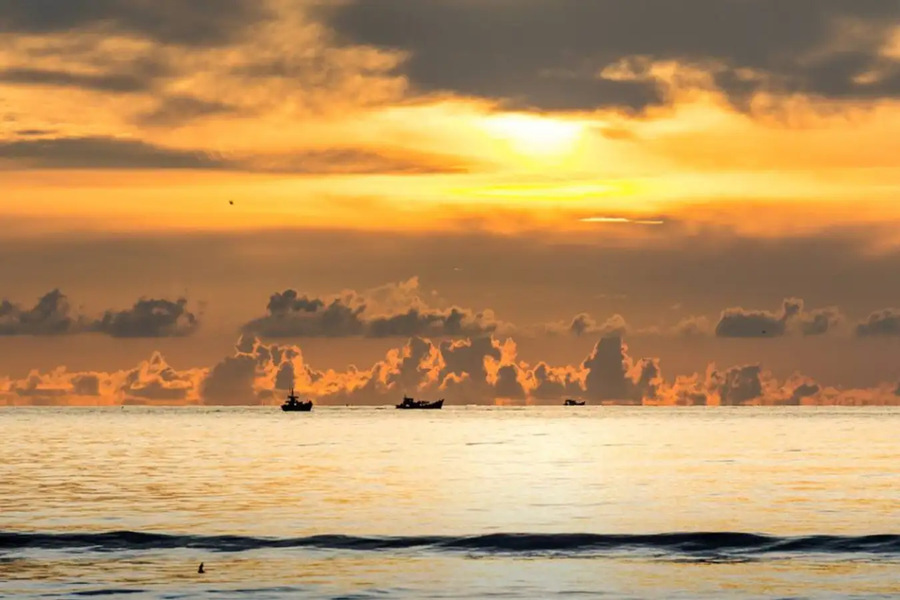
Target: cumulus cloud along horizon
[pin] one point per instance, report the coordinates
(53, 315)
(391, 310)
(738, 322)
(794, 318)
(401, 310)
(483, 370)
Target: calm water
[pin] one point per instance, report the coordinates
(458, 503)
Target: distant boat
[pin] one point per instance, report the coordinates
(293, 404)
(411, 403)
(570, 402)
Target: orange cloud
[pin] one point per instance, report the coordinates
(470, 371)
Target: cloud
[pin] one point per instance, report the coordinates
(464, 371)
(155, 381)
(50, 316)
(744, 385)
(584, 324)
(151, 382)
(121, 153)
(355, 161)
(175, 110)
(101, 82)
(254, 372)
(102, 153)
(742, 323)
(733, 323)
(610, 374)
(574, 55)
(166, 64)
(693, 327)
(552, 383)
(149, 318)
(290, 315)
(803, 390)
(53, 315)
(737, 385)
(883, 323)
(820, 321)
(388, 311)
(483, 370)
(197, 23)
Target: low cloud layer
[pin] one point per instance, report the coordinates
(482, 370)
(393, 310)
(53, 315)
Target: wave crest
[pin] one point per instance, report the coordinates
(701, 543)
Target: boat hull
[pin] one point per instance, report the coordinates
(299, 408)
(423, 406)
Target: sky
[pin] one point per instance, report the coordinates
(491, 201)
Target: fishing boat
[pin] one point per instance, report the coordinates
(410, 403)
(293, 404)
(570, 402)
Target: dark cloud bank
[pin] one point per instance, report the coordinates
(576, 55)
(537, 54)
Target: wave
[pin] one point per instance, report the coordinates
(727, 544)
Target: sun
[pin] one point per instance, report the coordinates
(534, 136)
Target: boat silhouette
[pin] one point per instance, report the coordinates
(410, 403)
(570, 402)
(293, 404)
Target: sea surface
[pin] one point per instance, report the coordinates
(466, 502)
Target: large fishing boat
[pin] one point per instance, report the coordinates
(570, 402)
(412, 403)
(293, 404)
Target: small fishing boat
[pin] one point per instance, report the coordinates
(420, 404)
(293, 404)
(570, 402)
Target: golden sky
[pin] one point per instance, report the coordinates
(705, 154)
(308, 114)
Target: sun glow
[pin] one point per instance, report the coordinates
(535, 136)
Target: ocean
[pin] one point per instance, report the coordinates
(465, 502)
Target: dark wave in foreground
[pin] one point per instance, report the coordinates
(691, 544)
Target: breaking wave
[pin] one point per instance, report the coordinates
(728, 544)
